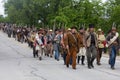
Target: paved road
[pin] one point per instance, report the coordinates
(17, 63)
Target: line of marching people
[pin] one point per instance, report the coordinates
(90, 44)
(74, 46)
(42, 41)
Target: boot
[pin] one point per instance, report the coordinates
(98, 60)
(98, 63)
(92, 62)
(67, 65)
(112, 67)
(89, 63)
(40, 58)
(83, 59)
(78, 60)
(89, 66)
(36, 53)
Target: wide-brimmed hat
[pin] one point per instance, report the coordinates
(99, 29)
(69, 29)
(50, 30)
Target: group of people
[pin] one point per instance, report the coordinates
(74, 46)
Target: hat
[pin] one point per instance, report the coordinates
(50, 30)
(91, 26)
(73, 27)
(99, 29)
(81, 28)
(56, 29)
(113, 28)
(41, 29)
(69, 28)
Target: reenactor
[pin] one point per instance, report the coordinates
(113, 46)
(14, 32)
(101, 45)
(33, 40)
(49, 43)
(9, 30)
(82, 51)
(56, 44)
(91, 45)
(64, 54)
(26, 33)
(72, 42)
(18, 34)
(22, 35)
(44, 41)
(39, 44)
(29, 39)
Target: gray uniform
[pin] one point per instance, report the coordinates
(91, 44)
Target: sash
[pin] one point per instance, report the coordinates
(75, 41)
(112, 40)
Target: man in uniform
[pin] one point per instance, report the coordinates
(113, 46)
(101, 45)
(82, 50)
(49, 43)
(91, 45)
(39, 44)
(56, 45)
(33, 40)
(72, 44)
(63, 46)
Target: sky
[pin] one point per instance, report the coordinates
(2, 7)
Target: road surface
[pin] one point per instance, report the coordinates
(17, 63)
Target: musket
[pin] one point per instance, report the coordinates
(113, 25)
(59, 25)
(67, 47)
(54, 26)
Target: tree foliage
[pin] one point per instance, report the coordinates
(68, 12)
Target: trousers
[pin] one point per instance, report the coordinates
(91, 54)
(73, 55)
(112, 57)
